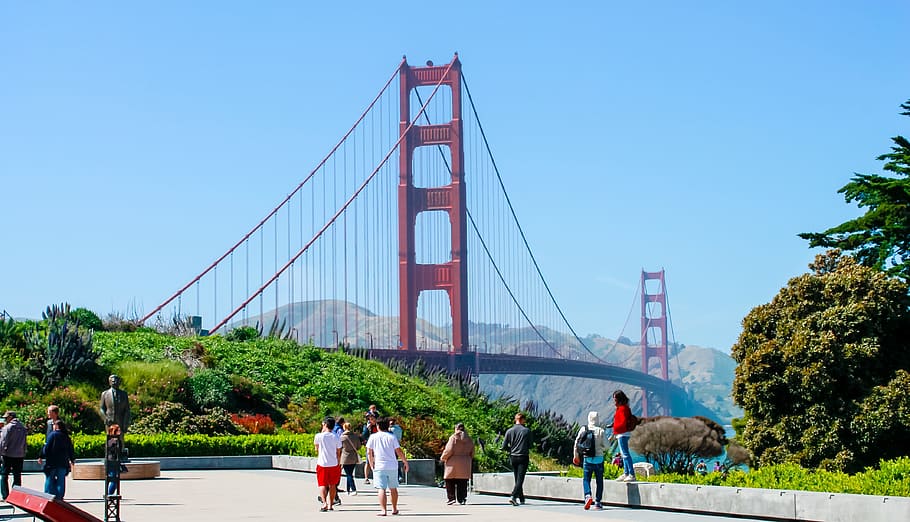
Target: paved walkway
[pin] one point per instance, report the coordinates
(228, 495)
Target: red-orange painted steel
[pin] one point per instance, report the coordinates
(451, 276)
(45, 507)
(658, 321)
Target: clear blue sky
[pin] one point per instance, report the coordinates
(139, 141)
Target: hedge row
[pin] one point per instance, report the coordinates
(891, 478)
(140, 446)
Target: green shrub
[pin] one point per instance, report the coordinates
(242, 333)
(305, 417)
(215, 421)
(423, 437)
(252, 397)
(209, 388)
(892, 478)
(151, 383)
(163, 418)
(12, 338)
(78, 408)
(86, 318)
(14, 377)
(169, 417)
(30, 410)
(142, 345)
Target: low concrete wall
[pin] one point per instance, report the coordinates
(422, 472)
(749, 502)
(232, 462)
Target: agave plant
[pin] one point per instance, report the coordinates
(59, 348)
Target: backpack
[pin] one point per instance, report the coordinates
(585, 444)
(633, 422)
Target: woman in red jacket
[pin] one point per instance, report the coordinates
(622, 430)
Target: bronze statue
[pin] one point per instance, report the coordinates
(115, 405)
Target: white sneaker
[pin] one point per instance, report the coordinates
(621, 478)
(354, 493)
(629, 478)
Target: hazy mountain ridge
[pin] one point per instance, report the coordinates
(705, 372)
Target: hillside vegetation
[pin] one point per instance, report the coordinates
(705, 372)
(219, 386)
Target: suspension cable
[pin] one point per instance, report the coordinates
(517, 224)
(487, 250)
(286, 199)
(343, 208)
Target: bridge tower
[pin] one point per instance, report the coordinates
(654, 326)
(451, 276)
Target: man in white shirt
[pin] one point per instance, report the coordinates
(383, 452)
(328, 472)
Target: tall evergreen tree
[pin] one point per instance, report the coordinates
(880, 238)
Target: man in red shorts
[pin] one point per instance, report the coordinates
(328, 472)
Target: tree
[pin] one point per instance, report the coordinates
(883, 424)
(880, 238)
(810, 361)
(674, 444)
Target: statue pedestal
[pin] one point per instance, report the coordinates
(138, 469)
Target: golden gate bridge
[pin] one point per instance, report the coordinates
(403, 240)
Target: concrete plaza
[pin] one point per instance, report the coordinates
(226, 495)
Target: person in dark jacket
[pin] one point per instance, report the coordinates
(58, 456)
(369, 428)
(518, 443)
(12, 452)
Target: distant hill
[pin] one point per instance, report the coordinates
(705, 372)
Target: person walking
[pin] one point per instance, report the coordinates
(53, 413)
(622, 430)
(12, 452)
(113, 452)
(518, 443)
(350, 457)
(396, 430)
(338, 430)
(58, 455)
(369, 428)
(458, 457)
(383, 452)
(592, 464)
(328, 472)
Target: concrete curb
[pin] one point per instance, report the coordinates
(715, 500)
(422, 471)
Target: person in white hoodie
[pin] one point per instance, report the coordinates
(593, 464)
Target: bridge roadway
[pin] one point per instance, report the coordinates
(482, 363)
(227, 495)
